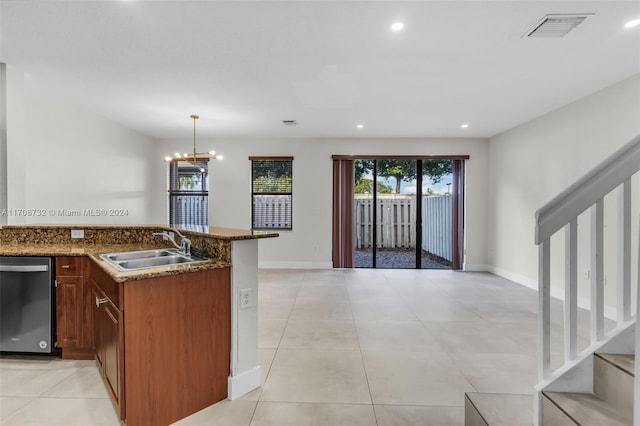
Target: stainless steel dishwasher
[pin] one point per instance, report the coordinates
(26, 304)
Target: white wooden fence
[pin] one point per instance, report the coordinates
(395, 224)
(396, 219)
(436, 226)
(272, 211)
(189, 209)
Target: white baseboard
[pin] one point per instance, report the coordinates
(295, 265)
(243, 383)
(517, 278)
(556, 293)
(475, 267)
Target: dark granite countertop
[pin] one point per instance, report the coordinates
(94, 251)
(54, 240)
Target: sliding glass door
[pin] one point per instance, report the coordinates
(403, 213)
(436, 217)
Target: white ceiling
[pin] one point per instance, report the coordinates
(244, 66)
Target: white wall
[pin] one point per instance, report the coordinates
(533, 162)
(308, 245)
(62, 158)
(15, 143)
(3, 142)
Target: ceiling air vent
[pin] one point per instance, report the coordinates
(557, 25)
(290, 122)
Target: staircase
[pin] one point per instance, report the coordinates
(610, 403)
(594, 385)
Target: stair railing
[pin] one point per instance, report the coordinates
(613, 174)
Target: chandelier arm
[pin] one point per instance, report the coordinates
(193, 156)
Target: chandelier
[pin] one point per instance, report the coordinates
(194, 156)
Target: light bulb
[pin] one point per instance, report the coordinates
(219, 157)
(177, 155)
(167, 159)
(185, 155)
(212, 152)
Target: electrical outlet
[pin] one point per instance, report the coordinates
(77, 233)
(246, 299)
(586, 274)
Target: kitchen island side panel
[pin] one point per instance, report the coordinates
(177, 345)
(245, 369)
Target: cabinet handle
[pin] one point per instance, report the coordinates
(65, 266)
(101, 301)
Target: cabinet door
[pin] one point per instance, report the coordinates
(112, 321)
(108, 338)
(73, 309)
(69, 311)
(98, 326)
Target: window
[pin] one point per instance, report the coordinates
(271, 192)
(189, 195)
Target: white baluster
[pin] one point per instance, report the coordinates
(624, 252)
(544, 316)
(571, 291)
(636, 381)
(597, 272)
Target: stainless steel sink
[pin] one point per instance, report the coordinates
(144, 259)
(145, 254)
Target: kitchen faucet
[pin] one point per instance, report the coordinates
(185, 243)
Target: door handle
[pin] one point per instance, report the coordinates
(24, 268)
(100, 301)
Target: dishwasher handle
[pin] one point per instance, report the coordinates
(24, 268)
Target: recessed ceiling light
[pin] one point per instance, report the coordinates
(632, 24)
(360, 126)
(397, 26)
(464, 126)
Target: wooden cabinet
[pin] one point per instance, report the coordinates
(162, 344)
(108, 336)
(73, 309)
(177, 345)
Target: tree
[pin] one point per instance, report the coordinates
(401, 170)
(189, 180)
(405, 170)
(436, 169)
(362, 168)
(365, 186)
(270, 184)
(272, 176)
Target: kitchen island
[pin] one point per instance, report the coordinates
(169, 340)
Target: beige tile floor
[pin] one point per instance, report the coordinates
(337, 347)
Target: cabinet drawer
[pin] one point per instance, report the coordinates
(69, 265)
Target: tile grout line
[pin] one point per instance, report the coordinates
(277, 348)
(364, 368)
